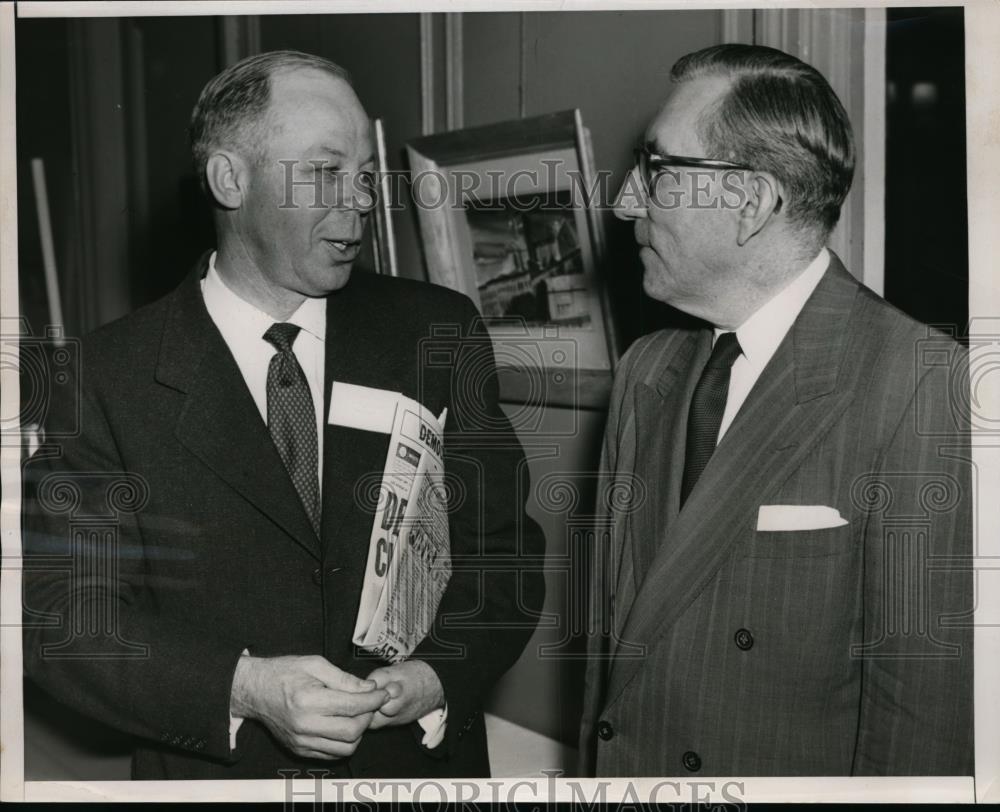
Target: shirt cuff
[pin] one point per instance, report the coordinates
(234, 726)
(235, 721)
(434, 724)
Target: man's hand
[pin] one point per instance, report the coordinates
(311, 706)
(413, 690)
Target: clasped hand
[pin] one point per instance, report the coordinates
(317, 710)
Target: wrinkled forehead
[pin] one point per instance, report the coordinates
(674, 129)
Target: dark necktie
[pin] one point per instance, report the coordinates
(707, 407)
(291, 418)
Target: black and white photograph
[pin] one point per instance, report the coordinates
(585, 404)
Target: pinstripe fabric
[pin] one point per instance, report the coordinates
(853, 412)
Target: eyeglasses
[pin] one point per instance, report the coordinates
(652, 163)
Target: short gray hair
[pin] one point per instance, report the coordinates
(232, 107)
(780, 116)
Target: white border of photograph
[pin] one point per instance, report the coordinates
(982, 31)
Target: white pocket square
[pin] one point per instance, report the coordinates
(798, 517)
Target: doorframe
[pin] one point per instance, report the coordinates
(822, 37)
(100, 255)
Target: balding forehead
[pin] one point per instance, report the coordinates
(313, 115)
(297, 80)
(295, 89)
(690, 98)
(675, 128)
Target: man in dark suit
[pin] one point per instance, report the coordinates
(216, 525)
(788, 588)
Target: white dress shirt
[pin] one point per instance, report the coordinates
(760, 335)
(243, 326)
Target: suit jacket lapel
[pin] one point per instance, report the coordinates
(793, 403)
(220, 422)
(661, 428)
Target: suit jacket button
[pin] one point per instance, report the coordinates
(691, 761)
(605, 731)
(744, 640)
(317, 576)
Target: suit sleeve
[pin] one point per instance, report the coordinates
(491, 605)
(916, 708)
(92, 638)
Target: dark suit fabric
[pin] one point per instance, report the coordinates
(860, 409)
(215, 552)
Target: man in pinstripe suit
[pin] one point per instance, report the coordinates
(787, 591)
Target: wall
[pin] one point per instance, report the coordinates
(171, 224)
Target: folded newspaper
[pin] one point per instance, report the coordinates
(409, 551)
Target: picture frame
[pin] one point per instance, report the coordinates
(383, 244)
(506, 217)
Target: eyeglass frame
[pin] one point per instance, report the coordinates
(643, 154)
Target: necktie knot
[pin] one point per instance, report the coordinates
(725, 352)
(281, 335)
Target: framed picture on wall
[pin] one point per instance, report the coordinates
(506, 217)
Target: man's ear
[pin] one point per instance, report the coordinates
(227, 176)
(764, 201)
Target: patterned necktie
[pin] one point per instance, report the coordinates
(291, 418)
(707, 407)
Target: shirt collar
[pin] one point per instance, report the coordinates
(237, 311)
(760, 335)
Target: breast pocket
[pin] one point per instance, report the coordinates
(800, 543)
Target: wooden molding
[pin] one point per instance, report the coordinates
(426, 73)
(845, 46)
(101, 279)
(239, 37)
(738, 25)
(453, 58)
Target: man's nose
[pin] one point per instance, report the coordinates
(347, 220)
(366, 192)
(352, 191)
(630, 204)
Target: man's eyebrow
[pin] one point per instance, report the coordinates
(339, 153)
(652, 145)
